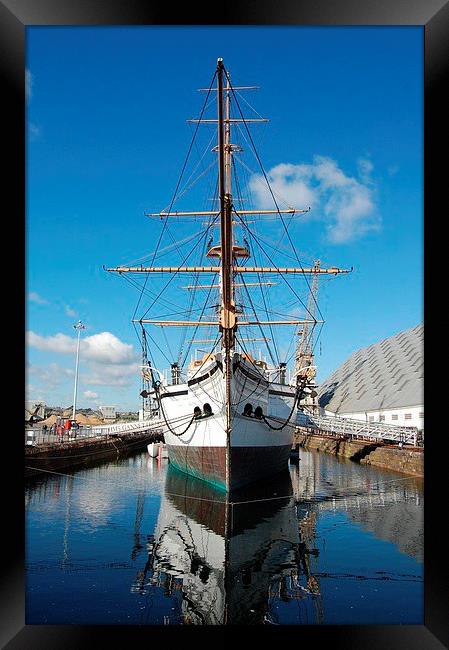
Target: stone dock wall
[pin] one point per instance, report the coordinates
(57, 456)
(405, 460)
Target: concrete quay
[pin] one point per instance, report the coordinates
(406, 460)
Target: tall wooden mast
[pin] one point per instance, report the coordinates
(227, 307)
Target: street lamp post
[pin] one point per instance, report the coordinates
(79, 326)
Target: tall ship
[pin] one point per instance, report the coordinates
(227, 413)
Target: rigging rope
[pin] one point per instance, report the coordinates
(193, 292)
(260, 326)
(256, 239)
(269, 186)
(298, 395)
(174, 195)
(175, 273)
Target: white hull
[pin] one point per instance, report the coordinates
(200, 446)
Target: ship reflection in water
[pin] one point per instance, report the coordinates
(135, 541)
(228, 558)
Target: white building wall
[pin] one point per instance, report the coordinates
(108, 412)
(389, 416)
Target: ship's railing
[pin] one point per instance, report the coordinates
(374, 431)
(38, 435)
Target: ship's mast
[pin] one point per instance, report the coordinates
(227, 307)
(226, 250)
(305, 370)
(227, 141)
(304, 350)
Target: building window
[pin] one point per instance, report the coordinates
(408, 416)
(421, 415)
(381, 418)
(394, 417)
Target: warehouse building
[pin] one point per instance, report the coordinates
(381, 383)
(108, 413)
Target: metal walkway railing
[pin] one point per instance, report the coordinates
(125, 427)
(358, 428)
(37, 435)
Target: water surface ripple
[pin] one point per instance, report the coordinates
(134, 541)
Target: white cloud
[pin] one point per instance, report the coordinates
(103, 348)
(88, 394)
(49, 378)
(112, 375)
(105, 361)
(344, 203)
(107, 348)
(48, 372)
(291, 182)
(365, 168)
(70, 312)
(35, 297)
(60, 343)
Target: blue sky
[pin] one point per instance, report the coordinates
(106, 139)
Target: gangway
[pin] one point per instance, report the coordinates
(375, 431)
(37, 435)
(127, 427)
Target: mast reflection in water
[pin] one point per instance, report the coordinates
(229, 558)
(136, 542)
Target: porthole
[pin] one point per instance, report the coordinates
(248, 410)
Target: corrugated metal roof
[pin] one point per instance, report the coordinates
(386, 375)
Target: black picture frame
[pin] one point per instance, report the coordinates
(433, 15)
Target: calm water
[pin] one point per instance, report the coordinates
(135, 541)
